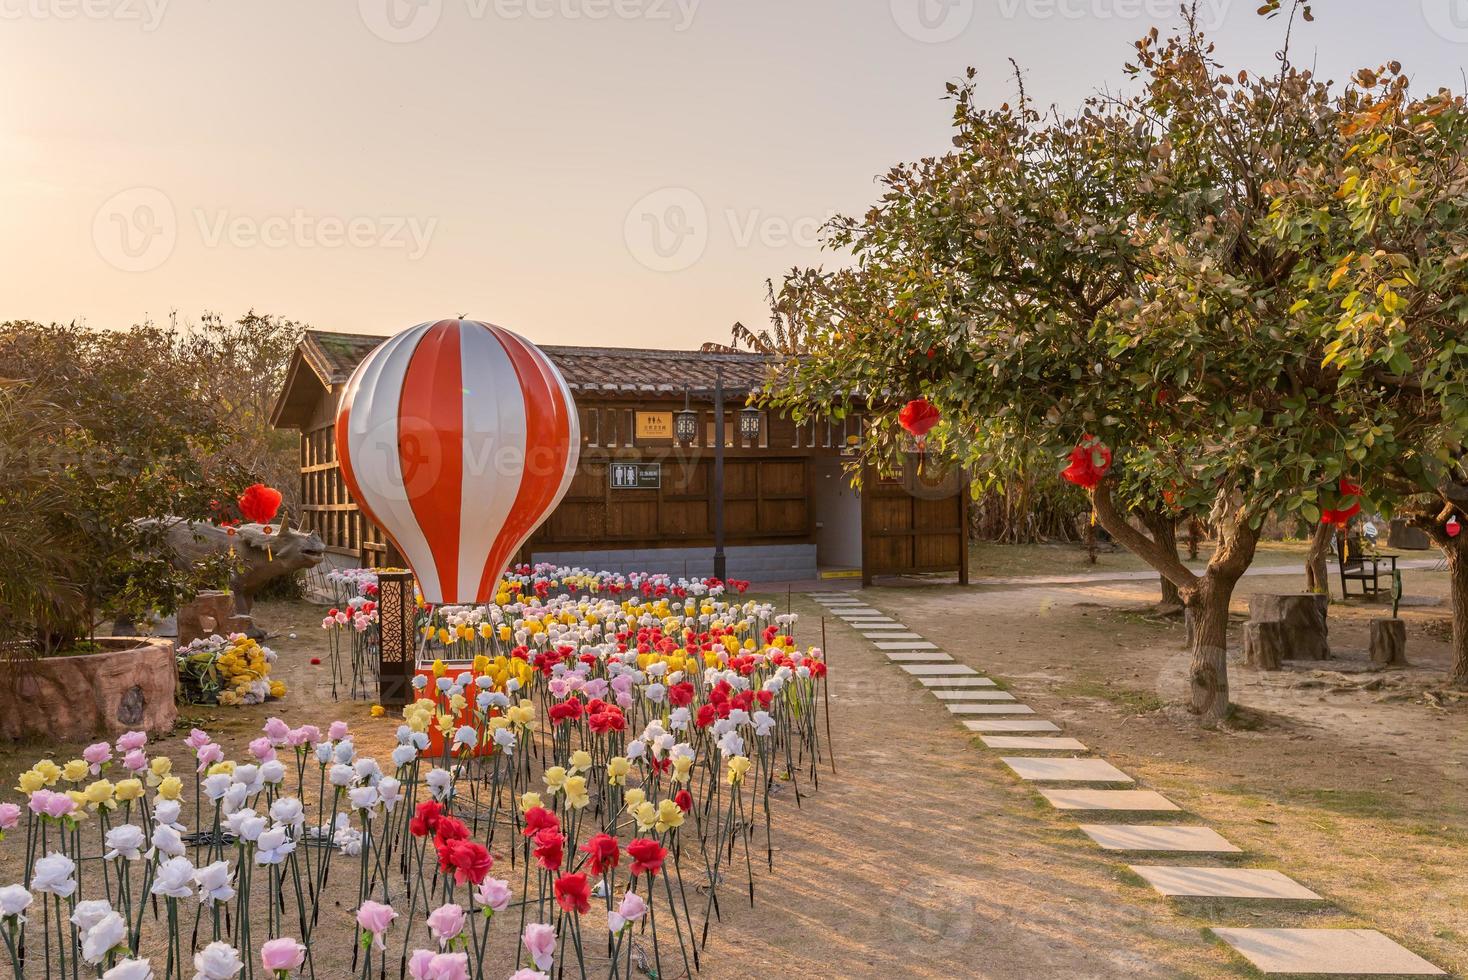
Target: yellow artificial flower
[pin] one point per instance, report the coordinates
(633, 798)
(75, 771)
(227, 767)
(377, 711)
(170, 788)
(505, 633)
(439, 667)
(646, 816)
(738, 766)
(277, 689)
(80, 799)
(580, 761)
(617, 769)
(555, 779)
(576, 795)
(128, 789)
(159, 767)
(529, 801)
(682, 766)
(50, 771)
(669, 816)
(99, 793)
(30, 781)
(457, 703)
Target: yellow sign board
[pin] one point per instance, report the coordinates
(654, 425)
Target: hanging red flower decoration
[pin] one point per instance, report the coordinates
(259, 503)
(918, 417)
(1452, 527)
(1348, 504)
(1090, 460)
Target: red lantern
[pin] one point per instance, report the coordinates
(1348, 505)
(259, 503)
(918, 417)
(1452, 527)
(1090, 460)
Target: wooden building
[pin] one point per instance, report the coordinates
(640, 501)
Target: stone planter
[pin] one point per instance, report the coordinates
(98, 694)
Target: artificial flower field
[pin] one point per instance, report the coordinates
(584, 779)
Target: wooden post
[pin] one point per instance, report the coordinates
(397, 611)
(1389, 642)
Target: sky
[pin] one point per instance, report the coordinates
(609, 172)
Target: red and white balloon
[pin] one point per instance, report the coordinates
(457, 438)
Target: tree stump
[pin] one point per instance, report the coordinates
(1265, 645)
(1286, 627)
(1389, 642)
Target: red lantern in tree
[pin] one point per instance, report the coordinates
(1452, 527)
(259, 503)
(1090, 460)
(1348, 504)
(918, 417)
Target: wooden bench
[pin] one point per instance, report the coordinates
(1368, 568)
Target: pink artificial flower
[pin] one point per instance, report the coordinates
(376, 918)
(131, 741)
(425, 964)
(198, 738)
(37, 802)
(446, 922)
(208, 755)
(97, 755)
(9, 816)
(337, 731)
(262, 749)
(276, 730)
(494, 892)
(540, 943)
(60, 805)
(341, 618)
(525, 973)
(629, 910)
(136, 760)
(282, 955)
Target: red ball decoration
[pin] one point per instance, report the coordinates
(1452, 527)
(1090, 460)
(259, 503)
(919, 416)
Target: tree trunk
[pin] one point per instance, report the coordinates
(1317, 578)
(1457, 553)
(1163, 528)
(1208, 673)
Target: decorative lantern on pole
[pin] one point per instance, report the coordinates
(751, 420)
(685, 423)
(396, 615)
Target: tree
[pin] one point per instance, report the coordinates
(1115, 272)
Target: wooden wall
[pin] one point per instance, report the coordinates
(914, 519)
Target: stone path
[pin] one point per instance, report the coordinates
(977, 703)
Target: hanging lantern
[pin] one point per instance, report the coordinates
(1090, 460)
(918, 417)
(1347, 504)
(751, 420)
(1452, 527)
(259, 503)
(685, 423)
(457, 438)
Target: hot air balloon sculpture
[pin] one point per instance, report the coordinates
(457, 438)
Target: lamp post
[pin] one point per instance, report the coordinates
(685, 428)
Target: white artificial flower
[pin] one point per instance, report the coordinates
(166, 841)
(215, 785)
(763, 722)
(166, 812)
(289, 811)
(175, 878)
(248, 776)
(125, 841)
(14, 899)
(390, 791)
(367, 770)
(103, 937)
(89, 913)
(505, 739)
(53, 875)
(234, 798)
(731, 744)
(349, 841)
(217, 961)
(213, 882)
(274, 845)
(363, 797)
(272, 773)
(403, 755)
(130, 970)
(467, 736)
(345, 751)
(341, 775)
(440, 783)
(323, 752)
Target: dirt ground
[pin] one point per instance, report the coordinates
(923, 857)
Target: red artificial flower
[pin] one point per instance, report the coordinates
(706, 715)
(1090, 460)
(425, 818)
(449, 831)
(315, 661)
(603, 852)
(538, 818)
(259, 503)
(550, 848)
(684, 799)
(573, 894)
(647, 856)
(680, 695)
(469, 860)
(918, 417)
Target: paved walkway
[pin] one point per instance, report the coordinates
(1123, 818)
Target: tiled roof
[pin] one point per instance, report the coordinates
(604, 369)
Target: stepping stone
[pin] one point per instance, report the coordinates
(909, 656)
(1036, 742)
(1065, 770)
(905, 645)
(990, 709)
(972, 695)
(1012, 725)
(886, 626)
(1177, 882)
(1141, 837)
(938, 670)
(952, 682)
(1348, 951)
(877, 635)
(1143, 800)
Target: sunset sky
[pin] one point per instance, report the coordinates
(621, 172)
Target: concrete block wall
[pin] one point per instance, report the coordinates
(769, 563)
